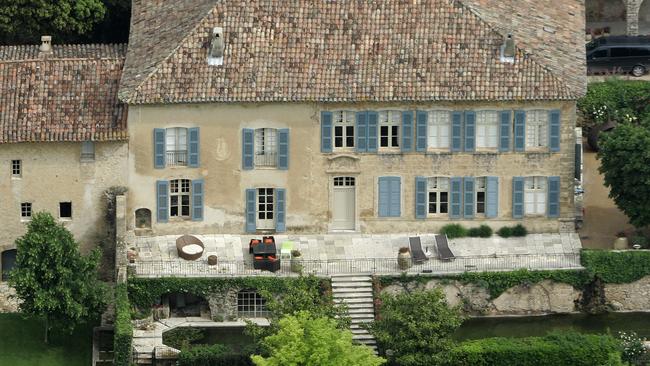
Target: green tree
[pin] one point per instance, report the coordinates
(303, 340)
(24, 21)
(416, 328)
(625, 163)
(53, 279)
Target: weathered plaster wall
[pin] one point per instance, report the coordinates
(310, 173)
(53, 173)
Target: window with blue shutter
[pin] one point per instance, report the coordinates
(505, 127)
(159, 148)
(420, 197)
(250, 211)
(389, 197)
(283, 149)
(373, 131)
(520, 131)
(518, 197)
(193, 144)
(492, 197)
(162, 200)
(197, 200)
(468, 188)
(248, 148)
(362, 131)
(456, 131)
(470, 131)
(407, 131)
(553, 196)
(280, 210)
(554, 130)
(421, 131)
(326, 132)
(456, 199)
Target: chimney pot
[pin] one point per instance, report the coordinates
(46, 44)
(509, 46)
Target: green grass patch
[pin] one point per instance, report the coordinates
(21, 344)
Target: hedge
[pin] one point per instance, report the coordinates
(212, 355)
(123, 327)
(555, 349)
(617, 267)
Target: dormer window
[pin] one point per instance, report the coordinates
(215, 52)
(508, 49)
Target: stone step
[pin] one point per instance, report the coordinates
(336, 285)
(356, 300)
(357, 326)
(351, 279)
(348, 290)
(358, 337)
(359, 330)
(363, 310)
(357, 305)
(361, 320)
(353, 294)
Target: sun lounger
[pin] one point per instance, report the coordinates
(417, 254)
(442, 246)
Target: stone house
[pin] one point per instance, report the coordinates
(63, 137)
(371, 117)
(631, 17)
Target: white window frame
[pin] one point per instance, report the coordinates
(391, 122)
(480, 190)
(26, 210)
(250, 304)
(16, 168)
(536, 129)
(535, 195)
(487, 129)
(176, 146)
(180, 189)
(438, 129)
(344, 129)
(266, 147)
(437, 186)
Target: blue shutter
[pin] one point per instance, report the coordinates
(456, 131)
(384, 197)
(407, 131)
(193, 144)
(283, 149)
(197, 200)
(395, 197)
(469, 197)
(162, 199)
(159, 148)
(326, 132)
(280, 210)
(492, 197)
(373, 131)
(520, 131)
(248, 149)
(504, 131)
(553, 196)
(420, 197)
(554, 130)
(518, 197)
(421, 131)
(362, 131)
(456, 198)
(251, 225)
(470, 131)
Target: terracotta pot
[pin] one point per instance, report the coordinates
(404, 260)
(621, 243)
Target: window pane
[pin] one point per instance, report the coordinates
(620, 52)
(444, 208)
(185, 211)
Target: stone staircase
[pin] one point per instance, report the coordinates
(355, 291)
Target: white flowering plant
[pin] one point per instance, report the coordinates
(633, 349)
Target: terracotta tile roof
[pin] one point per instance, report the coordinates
(328, 50)
(70, 95)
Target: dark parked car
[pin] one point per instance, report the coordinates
(619, 54)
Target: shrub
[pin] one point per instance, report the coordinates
(473, 232)
(616, 267)
(633, 350)
(519, 230)
(640, 240)
(505, 232)
(555, 349)
(453, 231)
(212, 355)
(181, 338)
(123, 327)
(622, 101)
(485, 231)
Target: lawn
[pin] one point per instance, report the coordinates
(21, 344)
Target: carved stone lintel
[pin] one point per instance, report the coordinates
(343, 163)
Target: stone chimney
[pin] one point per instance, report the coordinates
(508, 49)
(46, 44)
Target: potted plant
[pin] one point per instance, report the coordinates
(404, 258)
(296, 261)
(621, 241)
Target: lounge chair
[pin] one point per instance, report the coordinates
(442, 246)
(417, 254)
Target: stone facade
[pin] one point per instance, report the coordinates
(54, 172)
(309, 178)
(633, 296)
(223, 305)
(634, 13)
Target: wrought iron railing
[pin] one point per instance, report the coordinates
(200, 268)
(267, 159)
(176, 157)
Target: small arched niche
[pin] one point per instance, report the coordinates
(143, 218)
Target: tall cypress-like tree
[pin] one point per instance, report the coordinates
(53, 279)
